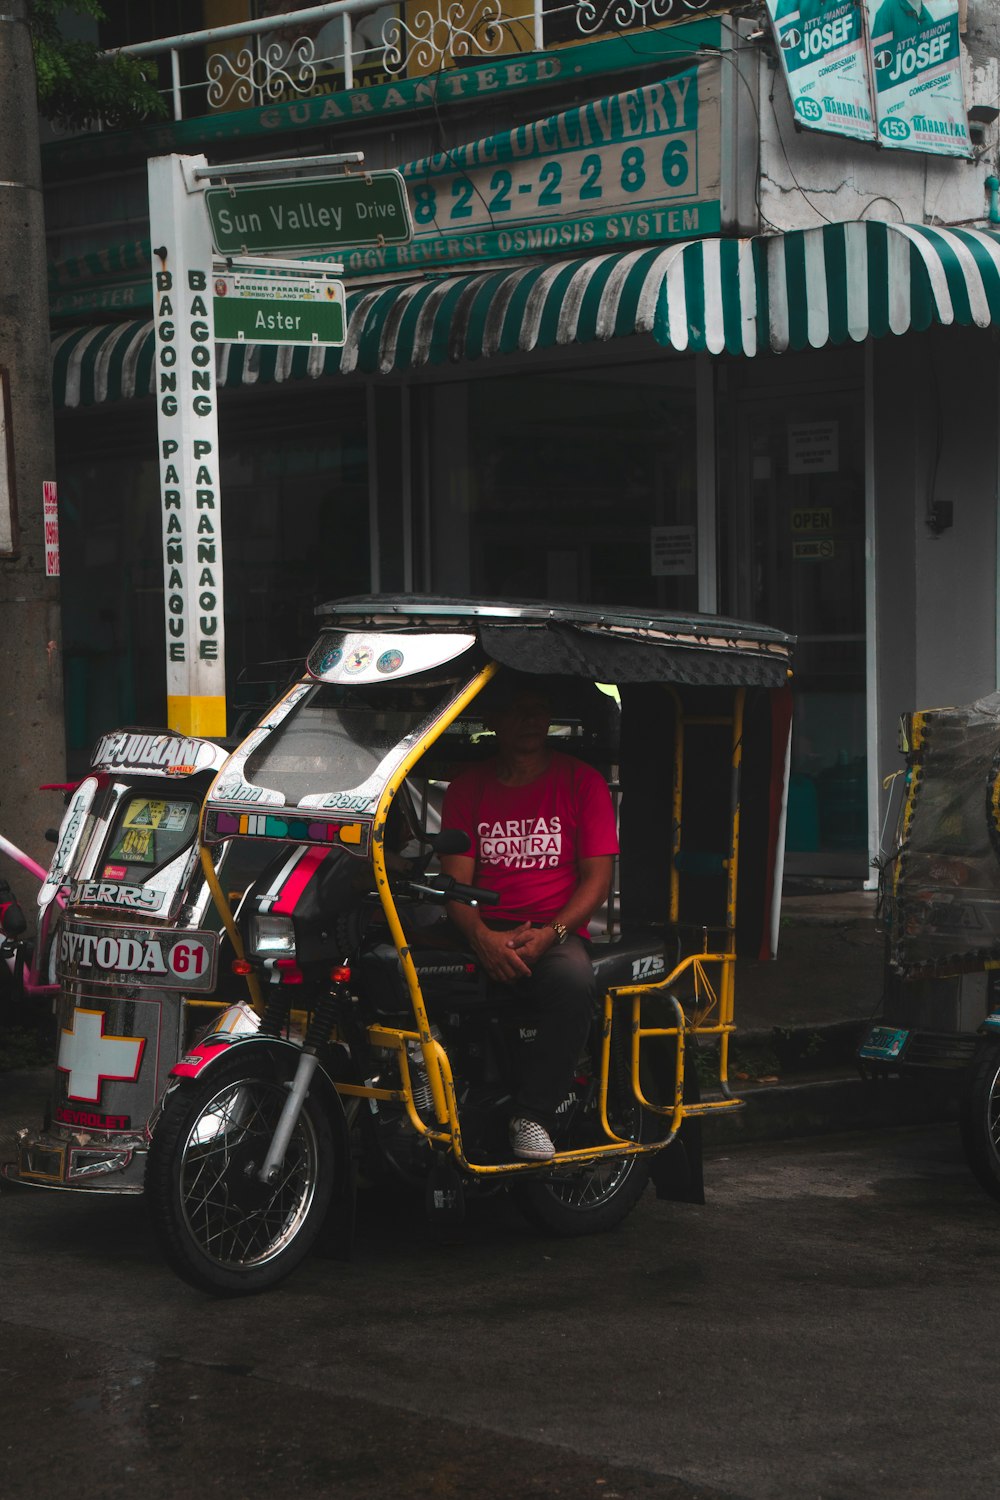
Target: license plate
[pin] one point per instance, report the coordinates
(884, 1043)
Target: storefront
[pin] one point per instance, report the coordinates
(621, 468)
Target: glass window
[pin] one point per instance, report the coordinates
(582, 486)
(796, 547)
(295, 533)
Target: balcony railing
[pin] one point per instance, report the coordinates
(350, 43)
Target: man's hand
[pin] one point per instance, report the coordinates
(531, 943)
(500, 953)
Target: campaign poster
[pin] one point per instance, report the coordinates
(917, 68)
(823, 52)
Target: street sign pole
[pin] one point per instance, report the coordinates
(188, 447)
(185, 218)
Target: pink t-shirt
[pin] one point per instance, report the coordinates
(527, 839)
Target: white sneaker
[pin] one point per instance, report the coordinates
(530, 1141)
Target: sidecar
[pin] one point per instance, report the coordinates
(939, 904)
(691, 734)
(940, 1021)
(136, 952)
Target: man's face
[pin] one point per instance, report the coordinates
(523, 725)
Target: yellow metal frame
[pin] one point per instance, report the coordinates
(712, 1015)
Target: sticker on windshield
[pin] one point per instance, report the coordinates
(144, 812)
(390, 661)
(137, 845)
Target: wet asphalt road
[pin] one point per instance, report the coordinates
(824, 1328)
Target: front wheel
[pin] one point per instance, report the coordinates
(979, 1117)
(218, 1225)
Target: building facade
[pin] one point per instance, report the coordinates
(651, 341)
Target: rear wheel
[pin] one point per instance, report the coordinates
(570, 1201)
(979, 1117)
(218, 1225)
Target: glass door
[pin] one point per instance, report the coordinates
(796, 548)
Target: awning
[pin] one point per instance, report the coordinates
(852, 281)
(804, 289)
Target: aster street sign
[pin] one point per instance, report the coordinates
(268, 309)
(309, 213)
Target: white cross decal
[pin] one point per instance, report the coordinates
(89, 1057)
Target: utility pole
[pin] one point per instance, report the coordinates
(32, 737)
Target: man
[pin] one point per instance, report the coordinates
(542, 831)
(902, 20)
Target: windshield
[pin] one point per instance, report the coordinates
(147, 831)
(338, 737)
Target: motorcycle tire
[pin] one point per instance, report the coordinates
(979, 1116)
(590, 1200)
(219, 1227)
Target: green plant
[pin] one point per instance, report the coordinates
(76, 83)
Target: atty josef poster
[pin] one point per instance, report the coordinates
(917, 70)
(824, 56)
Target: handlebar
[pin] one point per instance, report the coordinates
(442, 888)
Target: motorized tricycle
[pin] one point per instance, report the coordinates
(352, 1038)
(126, 951)
(940, 911)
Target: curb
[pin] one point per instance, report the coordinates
(827, 1105)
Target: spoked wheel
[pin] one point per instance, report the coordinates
(979, 1117)
(588, 1200)
(219, 1226)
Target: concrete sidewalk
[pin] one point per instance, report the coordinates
(828, 969)
(799, 1020)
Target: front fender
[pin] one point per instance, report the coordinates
(338, 1234)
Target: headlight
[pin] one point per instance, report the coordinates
(271, 937)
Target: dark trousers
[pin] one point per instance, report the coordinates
(562, 992)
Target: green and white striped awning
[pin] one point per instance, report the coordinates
(800, 290)
(852, 281)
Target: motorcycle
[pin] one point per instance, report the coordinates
(940, 910)
(368, 1045)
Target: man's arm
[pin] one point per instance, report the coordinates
(493, 949)
(591, 891)
(509, 956)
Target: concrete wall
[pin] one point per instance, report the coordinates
(934, 406)
(808, 179)
(31, 709)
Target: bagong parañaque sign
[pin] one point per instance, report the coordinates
(642, 165)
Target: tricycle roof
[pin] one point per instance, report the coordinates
(605, 643)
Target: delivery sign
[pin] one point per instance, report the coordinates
(917, 68)
(822, 48)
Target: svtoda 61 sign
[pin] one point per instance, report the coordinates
(168, 959)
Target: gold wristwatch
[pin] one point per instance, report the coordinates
(561, 931)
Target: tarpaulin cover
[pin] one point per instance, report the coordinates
(554, 649)
(943, 907)
(602, 643)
